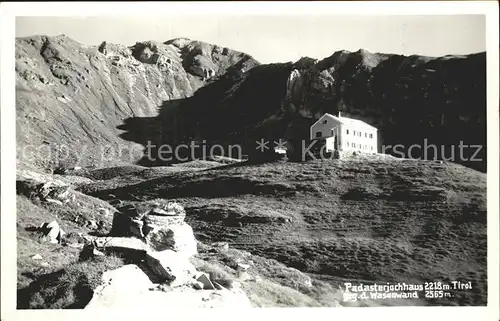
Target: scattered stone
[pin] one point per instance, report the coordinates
(54, 201)
(218, 286)
(45, 264)
(241, 272)
(91, 224)
(55, 191)
(171, 266)
(96, 252)
(36, 257)
(52, 232)
(104, 211)
(124, 298)
(205, 280)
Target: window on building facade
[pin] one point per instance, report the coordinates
(366, 135)
(371, 135)
(318, 134)
(347, 131)
(354, 132)
(325, 121)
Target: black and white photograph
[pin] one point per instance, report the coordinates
(244, 159)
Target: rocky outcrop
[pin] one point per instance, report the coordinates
(171, 266)
(159, 223)
(128, 286)
(179, 238)
(119, 284)
(51, 232)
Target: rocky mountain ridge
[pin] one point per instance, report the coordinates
(412, 100)
(71, 98)
(102, 105)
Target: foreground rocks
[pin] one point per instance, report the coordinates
(51, 232)
(128, 286)
(52, 191)
(159, 223)
(171, 266)
(179, 238)
(155, 236)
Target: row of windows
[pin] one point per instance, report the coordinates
(360, 146)
(358, 133)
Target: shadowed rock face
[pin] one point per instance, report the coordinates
(436, 104)
(71, 99)
(413, 100)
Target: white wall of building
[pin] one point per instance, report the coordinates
(350, 136)
(327, 126)
(359, 138)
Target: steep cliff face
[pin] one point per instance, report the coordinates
(414, 101)
(72, 99)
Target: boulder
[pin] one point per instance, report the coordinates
(96, 252)
(128, 246)
(171, 266)
(52, 232)
(137, 220)
(91, 224)
(179, 238)
(242, 272)
(204, 279)
(121, 288)
(55, 191)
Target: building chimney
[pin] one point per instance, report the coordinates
(339, 114)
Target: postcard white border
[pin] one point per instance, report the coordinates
(8, 12)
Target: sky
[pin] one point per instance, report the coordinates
(279, 38)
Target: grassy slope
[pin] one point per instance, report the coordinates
(62, 280)
(380, 219)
